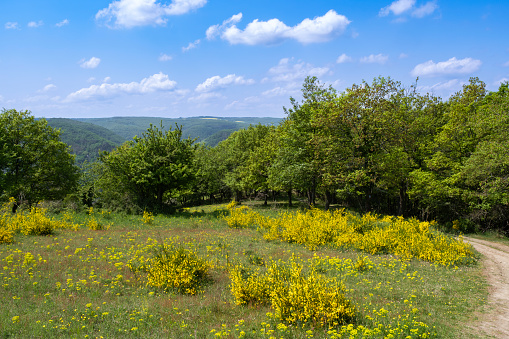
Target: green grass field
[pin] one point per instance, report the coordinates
(78, 283)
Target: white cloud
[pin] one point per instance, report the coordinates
(501, 81)
(344, 58)
(273, 31)
(375, 59)
(205, 97)
(275, 92)
(107, 79)
(403, 56)
(444, 89)
(426, 9)
(451, 66)
(11, 25)
(400, 7)
(216, 82)
(506, 64)
(132, 13)
(286, 71)
(165, 57)
(154, 83)
(92, 63)
(47, 88)
(215, 30)
(397, 7)
(62, 23)
(191, 45)
(1, 98)
(33, 24)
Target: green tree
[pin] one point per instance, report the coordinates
(152, 166)
(34, 164)
(296, 165)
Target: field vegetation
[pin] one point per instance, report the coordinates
(207, 273)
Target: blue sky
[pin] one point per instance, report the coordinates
(182, 58)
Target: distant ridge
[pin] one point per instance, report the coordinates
(85, 139)
(201, 127)
(88, 136)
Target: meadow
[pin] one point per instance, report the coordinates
(245, 271)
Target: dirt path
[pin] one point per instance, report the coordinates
(496, 262)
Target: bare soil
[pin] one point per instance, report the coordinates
(494, 323)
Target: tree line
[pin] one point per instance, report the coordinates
(377, 146)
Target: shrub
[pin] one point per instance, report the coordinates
(296, 297)
(148, 218)
(176, 268)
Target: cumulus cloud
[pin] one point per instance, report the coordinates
(92, 63)
(400, 7)
(47, 88)
(397, 7)
(375, 59)
(424, 10)
(33, 24)
(319, 29)
(506, 64)
(154, 83)
(216, 30)
(451, 66)
(165, 57)
(11, 25)
(191, 45)
(344, 58)
(216, 82)
(286, 71)
(62, 23)
(132, 13)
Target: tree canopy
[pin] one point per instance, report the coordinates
(34, 164)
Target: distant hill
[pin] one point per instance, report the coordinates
(202, 128)
(85, 139)
(88, 136)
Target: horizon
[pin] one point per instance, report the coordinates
(188, 58)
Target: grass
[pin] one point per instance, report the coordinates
(78, 284)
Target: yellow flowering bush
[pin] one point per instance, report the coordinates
(295, 296)
(241, 216)
(407, 238)
(170, 266)
(147, 218)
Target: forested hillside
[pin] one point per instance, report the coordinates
(201, 128)
(85, 139)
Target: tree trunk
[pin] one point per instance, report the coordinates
(328, 198)
(290, 198)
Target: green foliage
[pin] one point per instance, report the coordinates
(86, 140)
(201, 128)
(34, 163)
(151, 166)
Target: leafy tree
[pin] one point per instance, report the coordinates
(438, 185)
(34, 163)
(296, 165)
(234, 154)
(152, 166)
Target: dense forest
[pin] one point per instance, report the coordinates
(375, 147)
